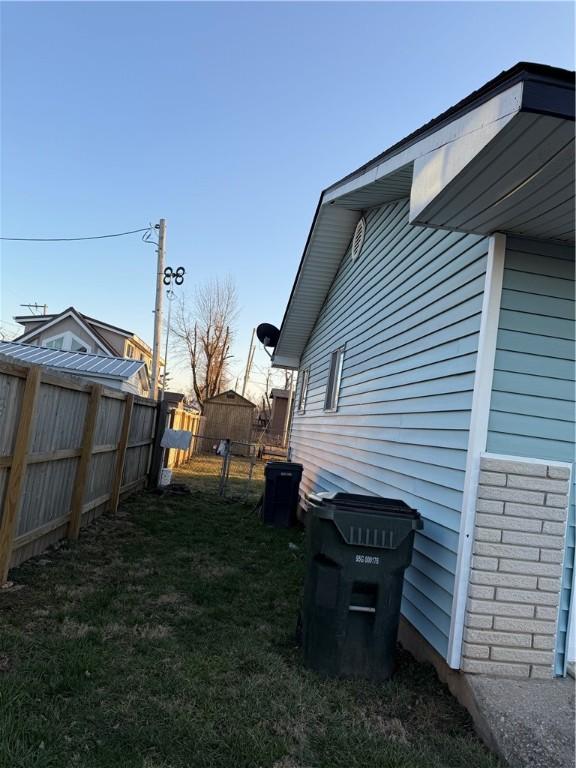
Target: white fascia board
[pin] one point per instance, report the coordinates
(477, 438)
(36, 331)
(434, 171)
(498, 111)
(283, 361)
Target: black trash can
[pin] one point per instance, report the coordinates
(358, 550)
(280, 502)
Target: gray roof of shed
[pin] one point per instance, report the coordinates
(73, 362)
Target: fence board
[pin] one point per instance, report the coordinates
(80, 480)
(121, 452)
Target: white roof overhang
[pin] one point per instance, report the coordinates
(491, 169)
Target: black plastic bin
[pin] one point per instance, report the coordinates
(280, 502)
(358, 550)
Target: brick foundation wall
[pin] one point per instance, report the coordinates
(512, 608)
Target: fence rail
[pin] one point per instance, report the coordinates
(69, 449)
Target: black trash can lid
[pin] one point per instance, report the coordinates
(283, 466)
(371, 521)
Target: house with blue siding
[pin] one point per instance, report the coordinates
(431, 323)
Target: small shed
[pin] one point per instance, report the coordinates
(229, 416)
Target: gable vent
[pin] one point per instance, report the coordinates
(358, 239)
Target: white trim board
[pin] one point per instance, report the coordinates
(477, 438)
(496, 112)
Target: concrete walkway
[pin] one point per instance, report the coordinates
(529, 722)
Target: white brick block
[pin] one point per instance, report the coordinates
(504, 550)
(549, 585)
(484, 563)
(514, 495)
(559, 473)
(554, 500)
(478, 621)
(494, 608)
(546, 611)
(529, 568)
(551, 555)
(504, 580)
(494, 478)
(534, 512)
(485, 593)
(508, 523)
(532, 539)
(556, 529)
(544, 642)
(491, 507)
(495, 668)
(512, 639)
(537, 484)
(475, 651)
(488, 534)
(532, 597)
(513, 467)
(520, 654)
(542, 672)
(533, 626)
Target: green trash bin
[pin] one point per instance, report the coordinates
(358, 549)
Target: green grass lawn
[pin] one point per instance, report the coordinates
(165, 638)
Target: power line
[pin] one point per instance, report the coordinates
(69, 239)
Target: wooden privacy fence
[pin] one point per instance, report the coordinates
(68, 450)
(179, 418)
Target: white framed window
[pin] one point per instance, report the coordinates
(67, 341)
(56, 343)
(334, 377)
(129, 350)
(305, 374)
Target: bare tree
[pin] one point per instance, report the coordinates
(203, 331)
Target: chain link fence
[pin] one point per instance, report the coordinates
(224, 467)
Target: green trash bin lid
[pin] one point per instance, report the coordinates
(367, 521)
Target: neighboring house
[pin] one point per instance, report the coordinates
(432, 325)
(73, 331)
(118, 373)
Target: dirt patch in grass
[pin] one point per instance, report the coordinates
(165, 638)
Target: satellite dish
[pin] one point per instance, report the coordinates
(268, 334)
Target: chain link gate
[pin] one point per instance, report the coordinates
(223, 467)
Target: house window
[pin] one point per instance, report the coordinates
(129, 350)
(77, 346)
(55, 343)
(303, 390)
(67, 342)
(333, 386)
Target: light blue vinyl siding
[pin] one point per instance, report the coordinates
(532, 405)
(407, 311)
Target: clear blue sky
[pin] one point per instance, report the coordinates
(225, 118)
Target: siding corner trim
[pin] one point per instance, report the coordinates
(477, 438)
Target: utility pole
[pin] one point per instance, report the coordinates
(161, 227)
(249, 362)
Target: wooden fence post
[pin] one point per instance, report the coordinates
(84, 461)
(121, 453)
(18, 470)
(156, 460)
